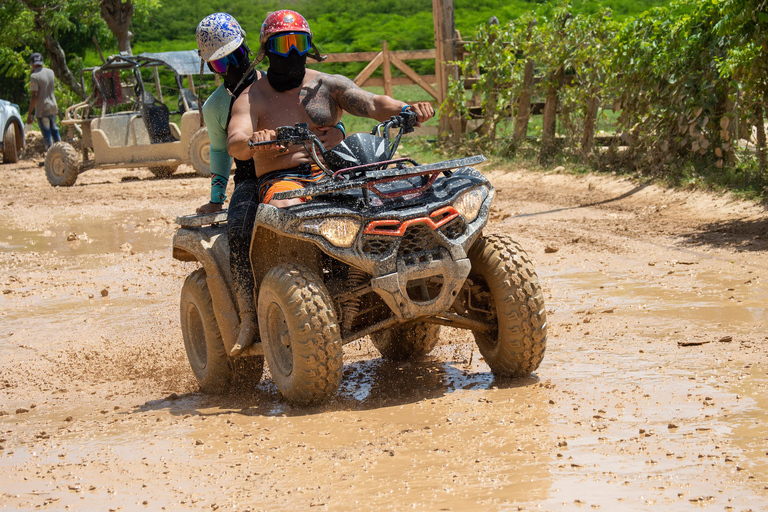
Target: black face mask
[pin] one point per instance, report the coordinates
(234, 74)
(286, 73)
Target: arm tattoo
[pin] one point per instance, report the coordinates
(351, 97)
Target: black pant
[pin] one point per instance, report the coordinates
(240, 219)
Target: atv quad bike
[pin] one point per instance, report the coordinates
(124, 125)
(385, 248)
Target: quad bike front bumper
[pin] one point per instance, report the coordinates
(393, 288)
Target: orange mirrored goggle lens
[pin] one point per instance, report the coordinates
(282, 44)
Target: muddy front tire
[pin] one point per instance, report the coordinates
(10, 149)
(506, 285)
(214, 370)
(300, 334)
(406, 341)
(62, 165)
(200, 152)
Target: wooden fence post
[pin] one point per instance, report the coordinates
(445, 52)
(385, 67)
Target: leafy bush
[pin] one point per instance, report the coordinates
(686, 80)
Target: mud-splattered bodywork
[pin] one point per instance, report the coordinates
(412, 249)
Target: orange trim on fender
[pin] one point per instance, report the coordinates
(377, 227)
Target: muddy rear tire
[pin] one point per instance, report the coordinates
(509, 289)
(10, 149)
(300, 334)
(163, 171)
(62, 165)
(406, 341)
(214, 370)
(200, 152)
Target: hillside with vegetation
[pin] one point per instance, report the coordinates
(354, 25)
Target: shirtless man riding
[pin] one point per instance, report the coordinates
(293, 94)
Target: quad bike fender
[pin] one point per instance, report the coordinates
(270, 248)
(210, 247)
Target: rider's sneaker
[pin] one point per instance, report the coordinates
(247, 333)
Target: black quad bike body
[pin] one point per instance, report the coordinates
(384, 248)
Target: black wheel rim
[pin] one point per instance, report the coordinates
(279, 340)
(196, 335)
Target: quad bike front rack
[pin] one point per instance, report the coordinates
(371, 179)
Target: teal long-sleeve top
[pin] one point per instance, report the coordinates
(216, 116)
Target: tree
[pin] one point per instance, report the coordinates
(64, 30)
(118, 15)
(49, 18)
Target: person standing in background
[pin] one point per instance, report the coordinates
(43, 100)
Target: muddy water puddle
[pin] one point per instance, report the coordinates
(460, 440)
(708, 297)
(139, 231)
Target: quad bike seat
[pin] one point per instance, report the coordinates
(157, 119)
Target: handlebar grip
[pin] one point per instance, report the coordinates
(252, 144)
(409, 120)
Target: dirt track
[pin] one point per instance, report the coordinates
(652, 394)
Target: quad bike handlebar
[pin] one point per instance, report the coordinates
(301, 134)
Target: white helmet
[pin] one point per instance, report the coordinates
(218, 35)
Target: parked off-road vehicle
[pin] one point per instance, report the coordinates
(123, 124)
(384, 248)
(12, 134)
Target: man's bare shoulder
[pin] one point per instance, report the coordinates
(333, 83)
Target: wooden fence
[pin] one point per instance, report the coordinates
(386, 59)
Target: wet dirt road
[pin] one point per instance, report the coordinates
(652, 393)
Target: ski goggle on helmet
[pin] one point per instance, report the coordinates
(233, 59)
(283, 43)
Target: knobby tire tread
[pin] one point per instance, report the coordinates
(521, 339)
(315, 334)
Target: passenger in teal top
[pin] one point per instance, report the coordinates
(216, 115)
(222, 46)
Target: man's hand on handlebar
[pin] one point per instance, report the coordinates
(263, 136)
(330, 136)
(423, 110)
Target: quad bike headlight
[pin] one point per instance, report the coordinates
(468, 204)
(340, 231)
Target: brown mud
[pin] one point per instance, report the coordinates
(652, 394)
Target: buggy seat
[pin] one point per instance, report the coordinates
(156, 117)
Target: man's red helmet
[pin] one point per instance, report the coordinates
(284, 21)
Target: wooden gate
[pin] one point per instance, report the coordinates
(386, 59)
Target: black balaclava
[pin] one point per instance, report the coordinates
(234, 74)
(286, 73)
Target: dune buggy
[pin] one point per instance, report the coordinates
(124, 125)
(385, 248)
(12, 134)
